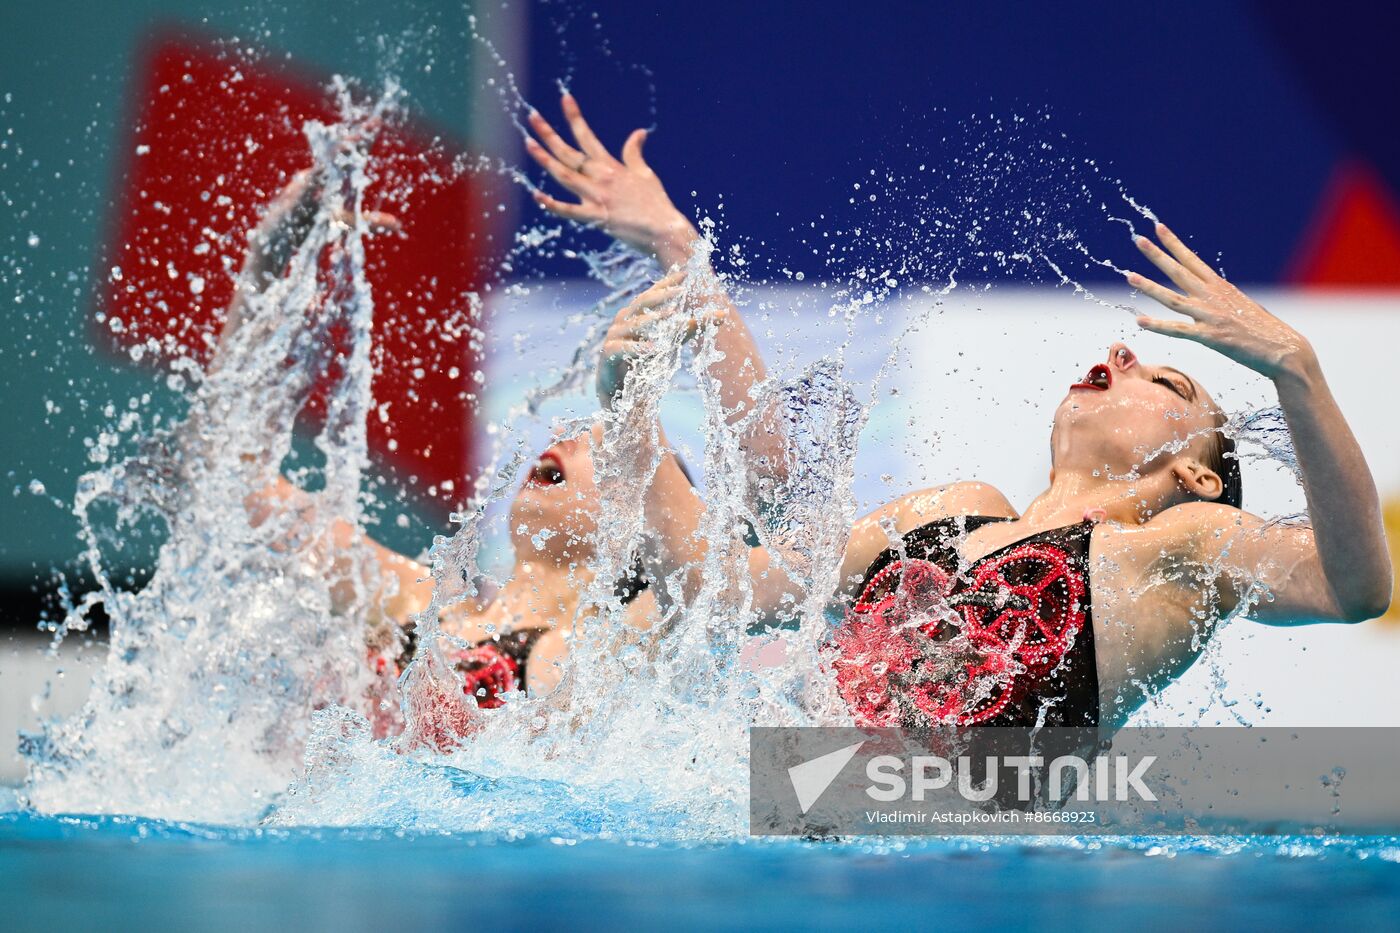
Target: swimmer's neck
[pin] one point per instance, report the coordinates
(544, 586)
(1074, 496)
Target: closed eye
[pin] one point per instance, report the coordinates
(1172, 384)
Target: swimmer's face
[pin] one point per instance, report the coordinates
(1127, 416)
(559, 501)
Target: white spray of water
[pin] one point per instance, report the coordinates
(251, 619)
(640, 732)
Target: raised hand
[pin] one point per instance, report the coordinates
(1339, 568)
(624, 198)
(1222, 317)
(287, 222)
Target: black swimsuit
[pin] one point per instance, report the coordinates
(496, 666)
(1007, 640)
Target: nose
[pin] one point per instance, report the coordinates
(1121, 358)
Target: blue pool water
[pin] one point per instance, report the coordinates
(94, 873)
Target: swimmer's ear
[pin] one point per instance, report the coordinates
(1198, 479)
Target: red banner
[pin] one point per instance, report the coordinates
(215, 137)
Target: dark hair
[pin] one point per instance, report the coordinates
(631, 586)
(1222, 460)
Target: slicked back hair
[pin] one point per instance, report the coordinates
(1221, 459)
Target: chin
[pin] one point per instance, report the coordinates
(531, 508)
(1072, 418)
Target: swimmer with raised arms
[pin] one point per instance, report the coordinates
(960, 608)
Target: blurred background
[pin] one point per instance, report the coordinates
(137, 141)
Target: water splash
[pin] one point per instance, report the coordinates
(653, 723)
(255, 614)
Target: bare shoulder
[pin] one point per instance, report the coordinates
(949, 501)
(871, 534)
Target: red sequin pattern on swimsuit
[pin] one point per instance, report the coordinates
(488, 674)
(918, 648)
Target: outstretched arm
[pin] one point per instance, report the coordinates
(675, 514)
(626, 199)
(1339, 569)
(284, 227)
(412, 586)
(675, 547)
(697, 298)
(623, 197)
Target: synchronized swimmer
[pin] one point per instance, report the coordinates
(518, 638)
(1079, 608)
